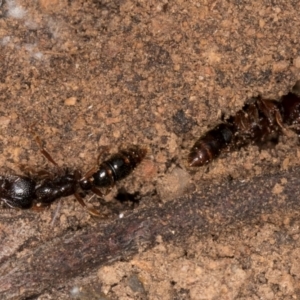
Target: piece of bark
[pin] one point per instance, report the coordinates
(52, 264)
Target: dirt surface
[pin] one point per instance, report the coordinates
(90, 74)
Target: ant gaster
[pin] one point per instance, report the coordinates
(117, 167)
(257, 122)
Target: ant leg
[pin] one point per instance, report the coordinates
(271, 110)
(89, 173)
(38, 140)
(104, 150)
(29, 171)
(91, 211)
(94, 189)
(38, 207)
(108, 190)
(44, 151)
(43, 174)
(278, 118)
(97, 192)
(26, 169)
(94, 169)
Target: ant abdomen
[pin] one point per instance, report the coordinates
(259, 121)
(209, 146)
(118, 166)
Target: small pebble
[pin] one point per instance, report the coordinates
(70, 101)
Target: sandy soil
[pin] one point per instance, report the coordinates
(90, 74)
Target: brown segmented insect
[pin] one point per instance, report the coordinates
(258, 121)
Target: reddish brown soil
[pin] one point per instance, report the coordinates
(97, 73)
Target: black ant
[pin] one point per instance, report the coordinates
(42, 190)
(257, 122)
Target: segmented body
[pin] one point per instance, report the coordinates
(257, 122)
(118, 166)
(24, 192)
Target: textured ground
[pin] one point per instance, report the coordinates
(156, 73)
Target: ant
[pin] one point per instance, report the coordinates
(256, 122)
(42, 190)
